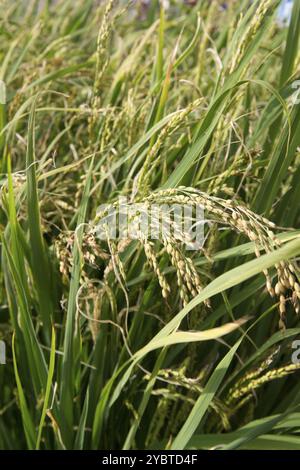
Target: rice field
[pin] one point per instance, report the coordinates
(121, 338)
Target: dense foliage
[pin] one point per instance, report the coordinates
(140, 343)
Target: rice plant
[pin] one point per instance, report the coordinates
(140, 342)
